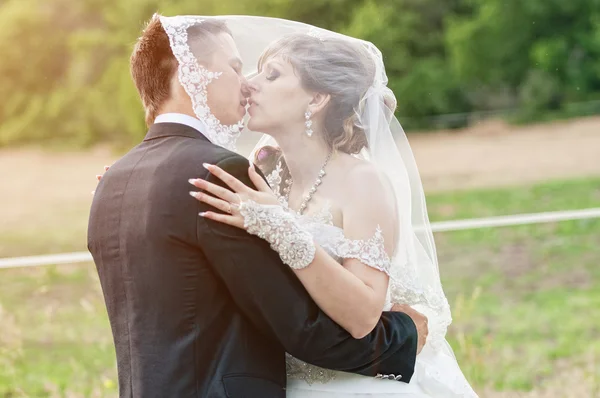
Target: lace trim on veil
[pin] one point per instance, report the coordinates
(194, 78)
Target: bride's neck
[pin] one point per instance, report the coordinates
(304, 157)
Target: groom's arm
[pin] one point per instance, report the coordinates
(273, 298)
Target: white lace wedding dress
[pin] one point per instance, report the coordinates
(437, 374)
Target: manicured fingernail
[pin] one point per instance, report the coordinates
(206, 166)
(192, 180)
(203, 214)
(194, 194)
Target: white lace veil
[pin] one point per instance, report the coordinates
(415, 278)
(191, 41)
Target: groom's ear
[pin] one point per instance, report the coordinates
(318, 102)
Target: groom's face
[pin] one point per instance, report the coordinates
(227, 94)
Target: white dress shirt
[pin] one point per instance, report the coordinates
(181, 118)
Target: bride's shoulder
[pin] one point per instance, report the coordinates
(367, 196)
(362, 180)
(359, 170)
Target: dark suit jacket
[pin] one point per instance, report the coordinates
(202, 309)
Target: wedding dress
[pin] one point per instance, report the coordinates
(437, 374)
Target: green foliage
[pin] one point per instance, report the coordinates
(64, 76)
(536, 55)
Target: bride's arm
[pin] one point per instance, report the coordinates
(354, 295)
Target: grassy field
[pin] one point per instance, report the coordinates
(526, 300)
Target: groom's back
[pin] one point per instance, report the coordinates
(177, 332)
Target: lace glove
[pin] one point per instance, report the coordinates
(280, 228)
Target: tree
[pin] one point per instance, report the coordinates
(410, 34)
(542, 52)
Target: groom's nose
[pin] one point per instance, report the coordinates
(246, 89)
(252, 86)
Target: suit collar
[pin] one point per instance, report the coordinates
(160, 130)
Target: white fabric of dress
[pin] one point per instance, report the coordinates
(437, 374)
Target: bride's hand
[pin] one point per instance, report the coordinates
(228, 201)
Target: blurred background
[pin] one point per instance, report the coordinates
(501, 103)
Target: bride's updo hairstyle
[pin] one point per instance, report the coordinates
(333, 66)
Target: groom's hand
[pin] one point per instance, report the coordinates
(99, 176)
(420, 321)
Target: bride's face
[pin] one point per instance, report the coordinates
(278, 101)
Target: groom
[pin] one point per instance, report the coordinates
(199, 308)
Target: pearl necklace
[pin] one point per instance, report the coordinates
(311, 192)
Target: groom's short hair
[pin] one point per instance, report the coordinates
(153, 64)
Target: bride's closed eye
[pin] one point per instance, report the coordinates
(273, 74)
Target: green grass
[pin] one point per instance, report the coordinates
(537, 287)
(55, 340)
(525, 301)
(58, 229)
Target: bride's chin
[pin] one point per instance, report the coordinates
(259, 126)
(253, 125)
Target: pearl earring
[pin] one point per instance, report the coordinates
(308, 123)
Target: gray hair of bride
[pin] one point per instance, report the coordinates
(335, 67)
(343, 69)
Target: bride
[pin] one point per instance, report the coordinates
(344, 207)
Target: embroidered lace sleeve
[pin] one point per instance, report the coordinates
(280, 228)
(370, 252)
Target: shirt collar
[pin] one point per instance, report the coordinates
(181, 118)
